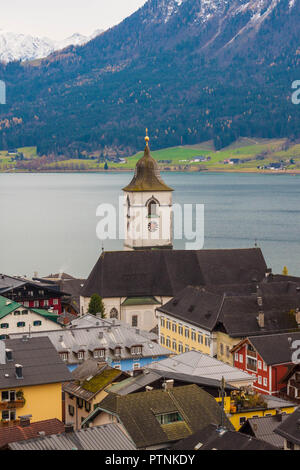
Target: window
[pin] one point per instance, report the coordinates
(259, 379)
(21, 324)
(64, 356)
(30, 293)
(162, 322)
(99, 353)
(8, 395)
(114, 313)
(134, 321)
(207, 341)
(236, 357)
(162, 339)
(24, 312)
(168, 324)
(169, 418)
(193, 335)
(17, 312)
(187, 333)
(26, 304)
(174, 327)
(152, 209)
(174, 345)
(37, 323)
(242, 420)
(9, 415)
(80, 355)
(168, 342)
(4, 325)
(265, 382)
(221, 349)
(200, 338)
(71, 410)
(186, 349)
(180, 330)
(259, 364)
(227, 352)
(241, 358)
(136, 350)
(117, 351)
(46, 303)
(80, 402)
(265, 367)
(55, 301)
(87, 406)
(36, 303)
(180, 348)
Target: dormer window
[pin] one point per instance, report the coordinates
(80, 355)
(136, 350)
(168, 418)
(4, 325)
(64, 356)
(118, 352)
(99, 353)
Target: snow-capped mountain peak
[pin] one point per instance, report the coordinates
(15, 46)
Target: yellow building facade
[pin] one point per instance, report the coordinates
(179, 336)
(42, 402)
(224, 345)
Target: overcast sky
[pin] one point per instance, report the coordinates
(58, 19)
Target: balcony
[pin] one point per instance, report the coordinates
(251, 367)
(12, 405)
(251, 354)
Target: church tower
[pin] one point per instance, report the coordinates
(148, 207)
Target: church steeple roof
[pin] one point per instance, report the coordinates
(147, 175)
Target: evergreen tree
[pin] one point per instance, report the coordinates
(96, 306)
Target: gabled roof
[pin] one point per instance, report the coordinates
(213, 437)
(290, 428)
(21, 433)
(8, 306)
(106, 437)
(167, 272)
(138, 413)
(9, 283)
(41, 363)
(235, 307)
(263, 428)
(197, 364)
(264, 345)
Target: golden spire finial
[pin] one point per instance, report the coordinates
(147, 137)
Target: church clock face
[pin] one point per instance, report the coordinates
(153, 227)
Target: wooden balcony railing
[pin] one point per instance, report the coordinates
(11, 405)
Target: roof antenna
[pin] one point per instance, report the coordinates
(255, 243)
(102, 247)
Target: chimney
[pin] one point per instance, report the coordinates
(168, 384)
(9, 355)
(261, 319)
(19, 371)
(25, 421)
(69, 427)
(148, 388)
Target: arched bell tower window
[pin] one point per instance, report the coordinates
(114, 313)
(153, 208)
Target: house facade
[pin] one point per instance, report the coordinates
(267, 358)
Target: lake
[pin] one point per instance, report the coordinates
(48, 221)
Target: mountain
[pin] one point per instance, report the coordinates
(190, 70)
(23, 47)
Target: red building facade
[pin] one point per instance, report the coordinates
(268, 376)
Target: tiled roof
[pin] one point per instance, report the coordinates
(167, 272)
(214, 438)
(21, 433)
(195, 363)
(40, 361)
(138, 413)
(290, 428)
(106, 437)
(236, 308)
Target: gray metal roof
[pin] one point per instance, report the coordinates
(263, 429)
(105, 437)
(201, 365)
(39, 360)
(85, 334)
